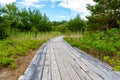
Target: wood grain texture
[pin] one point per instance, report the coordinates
(57, 60)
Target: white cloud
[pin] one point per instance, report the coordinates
(31, 3)
(78, 6)
(7, 1)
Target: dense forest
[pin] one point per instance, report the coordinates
(99, 35)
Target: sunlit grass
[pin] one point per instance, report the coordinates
(20, 44)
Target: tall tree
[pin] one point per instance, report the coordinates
(11, 14)
(46, 26)
(104, 14)
(24, 20)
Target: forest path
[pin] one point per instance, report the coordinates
(57, 60)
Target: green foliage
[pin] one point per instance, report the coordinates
(76, 24)
(3, 32)
(62, 28)
(106, 58)
(103, 45)
(20, 44)
(6, 61)
(116, 68)
(104, 14)
(25, 20)
(118, 21)
(10, 49)
(3, 25)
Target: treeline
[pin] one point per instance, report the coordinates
(105, 14)
(73, 25)
(13, 20)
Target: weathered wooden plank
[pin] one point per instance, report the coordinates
(85, 67)
(47, 71)
(54, 66)
(117, 72)
(63, 72)
(69, 68)
(39, 69)
(104, 72)
(82, 74)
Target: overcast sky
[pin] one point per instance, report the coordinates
(55, 9)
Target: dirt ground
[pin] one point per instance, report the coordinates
(22, 63)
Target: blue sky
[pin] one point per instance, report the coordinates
(56, 10)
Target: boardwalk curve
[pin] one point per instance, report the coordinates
(57, 60)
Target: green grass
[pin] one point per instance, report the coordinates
(20, 44)
(101, 44)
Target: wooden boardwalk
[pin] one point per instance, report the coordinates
(57, 60)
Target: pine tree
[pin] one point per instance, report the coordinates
(104, 14)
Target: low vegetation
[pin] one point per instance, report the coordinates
(101, 44)
(19, 45)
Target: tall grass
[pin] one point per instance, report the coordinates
(19, 44)
(31, 35)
